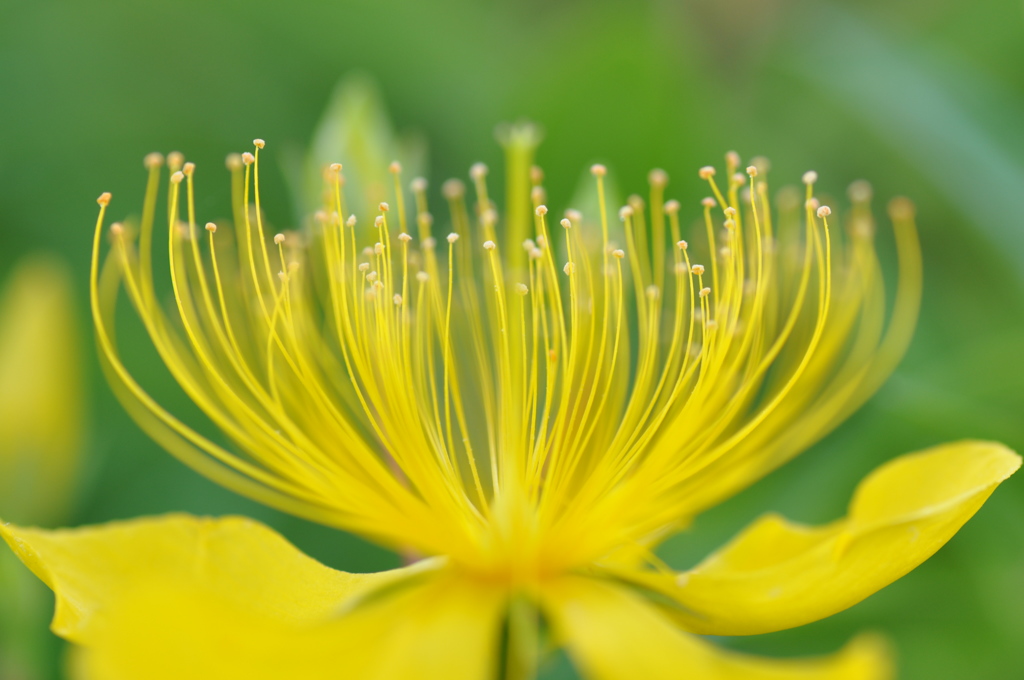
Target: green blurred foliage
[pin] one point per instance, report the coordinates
(923, 97)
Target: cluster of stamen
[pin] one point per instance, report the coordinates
(380, 385)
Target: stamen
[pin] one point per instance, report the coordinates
(324, 385)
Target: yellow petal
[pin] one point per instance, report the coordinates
(91, 570)
(613, 634)
(180, 596)
(40, 392)
(440, 628)
(777, 574)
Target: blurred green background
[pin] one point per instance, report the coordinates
(923, 97)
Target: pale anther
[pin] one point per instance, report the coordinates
(178, 177)
(351, 221)
(211, 227)
(625, 212)
(521, 289)
(116, 229)
(378, 221)
(859, 191)
(704, 291)
(824, 211)
(189, 169)
(682, 245)
(730, 211)
(566, 224)
(422, 277)
(810, 177)
(671, 207)
(395, 167)
(707, 202)
(259, 143)
(104, 198)
(363, 266)
(569, 268)
(397, 299)
(248, 158)
(697, 269)
(278, 239)
(378, 248)
(619, 253)
(489, 245)
(418, 184)
(453, 237)
(453, 188)
(155, 160)
(598, 170)
(752, 170)
(383, 207)
(707, 172)
(404, 238)
(478, 171)
(541, 210)
(901, 208)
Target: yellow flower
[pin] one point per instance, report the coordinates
(526, 404)
(40, 392)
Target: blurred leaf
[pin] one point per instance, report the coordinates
(355, 130)
(906, 96)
